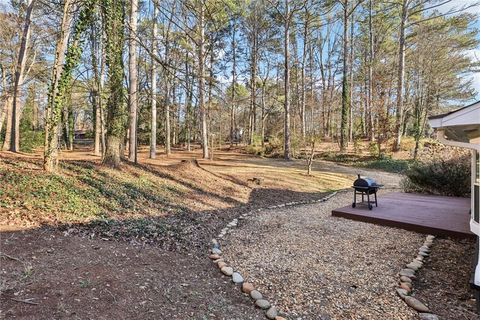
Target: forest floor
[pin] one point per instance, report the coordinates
(96, 243)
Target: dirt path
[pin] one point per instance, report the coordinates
(292, 174)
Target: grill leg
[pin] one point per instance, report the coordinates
(363, 199)
(376, 203)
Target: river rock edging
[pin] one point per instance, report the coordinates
(215, 254)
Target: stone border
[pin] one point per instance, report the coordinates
(407, 274)
(215, 255)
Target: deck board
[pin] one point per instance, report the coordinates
(438, 215)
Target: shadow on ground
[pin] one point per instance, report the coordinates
(136, 268)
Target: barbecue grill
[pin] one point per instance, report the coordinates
(365, 187)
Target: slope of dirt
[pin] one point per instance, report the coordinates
(84, 190)
(120, 244)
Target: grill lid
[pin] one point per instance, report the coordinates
(365, 183)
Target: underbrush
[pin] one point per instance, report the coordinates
(81, 192)
(255, 150)
(443, 177)
(387, 164)
(29, 140)
(441, 170)
(383, 163)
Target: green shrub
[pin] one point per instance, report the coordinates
(90, 134)
(387, 164)
(29, 140)
(357, 146)
(256, 150)
(257, 139)
(274, 147)
(373, 149)
(442, 176)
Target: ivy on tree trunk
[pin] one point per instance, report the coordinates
(58, 90)
(114, 17)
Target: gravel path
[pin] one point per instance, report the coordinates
(315, 266)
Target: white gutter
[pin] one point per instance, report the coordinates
(442, 139)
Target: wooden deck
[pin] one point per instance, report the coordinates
(443, 216)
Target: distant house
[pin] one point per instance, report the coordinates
(80, 134)
(461, 128)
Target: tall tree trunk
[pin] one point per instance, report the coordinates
(351, 58)
(189, 83)
(168, 150)
(5, 98)
(201, 78)
(401, 77)
(133, 76)
(52, 112)
(101, 87)
(189, 118)
(312, 90)
(19, 77)
(97, 149)
(68, 124)
(286, 51)
(262, 128)
(370, 106)
(253, 83)
(8, 127)
(303, 89)
(234, 82)
(210, 99)
(114, 15)
(345, 81)
(323, 97)
(3, 112)
(174, 113)
(96, 93)
(153, 98)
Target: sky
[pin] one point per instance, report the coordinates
(475, 54)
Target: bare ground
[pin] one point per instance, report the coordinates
(90, 271)
(96, 270)
(82, 272)
(72, 277)
(444, 282)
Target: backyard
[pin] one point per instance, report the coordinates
(222, 159)
(148, 258)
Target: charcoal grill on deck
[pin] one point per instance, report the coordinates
(365, 187)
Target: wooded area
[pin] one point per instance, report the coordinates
(275, 75)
